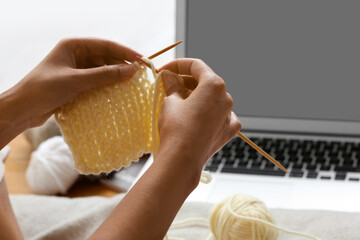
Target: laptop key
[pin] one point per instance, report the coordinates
(334, 160)
(307, 159)
(269, 164)
(312, 174)
(212, 164)
(325, 177)
(216, 161)
(306, 154)
(346, 168)
(230, 161)
(297, 166)
(211, 168)
(311, 167)
(293, 158)
(243, 163)
(239, 154)
(340, 176)
(319, 153)
(320, 160)
(325, 168)
(298, 174)
(256, 164)
(226, 154)
(348, 161)
(354, 179)
(256, 171)
(285, 165)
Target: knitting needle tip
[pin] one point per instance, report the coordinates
(164, 50)
(262, 152)
(158, 53)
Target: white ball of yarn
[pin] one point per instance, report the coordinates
(242, 217)
(51, 169)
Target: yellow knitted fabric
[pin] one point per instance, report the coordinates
(110, 127)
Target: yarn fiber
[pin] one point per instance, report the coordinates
(51, 169)
(242, 217)
(239, 217)
(110, 127)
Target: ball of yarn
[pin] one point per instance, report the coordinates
(242, 217)
(51, 169)
(37, 135)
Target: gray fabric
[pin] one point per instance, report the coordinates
(43, 217)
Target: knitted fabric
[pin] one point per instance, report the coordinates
(110, 127)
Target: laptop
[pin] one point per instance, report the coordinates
(292, 68)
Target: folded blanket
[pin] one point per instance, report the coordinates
(44, 217)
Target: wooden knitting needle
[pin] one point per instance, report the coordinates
(158, 53)
(242, 136)
(262, 152)
(164, 50)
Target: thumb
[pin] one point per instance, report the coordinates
(172, 83)
(93, 77)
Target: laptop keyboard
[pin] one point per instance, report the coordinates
(324, 160)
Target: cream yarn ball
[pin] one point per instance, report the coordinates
(242, 217)
(51, 169)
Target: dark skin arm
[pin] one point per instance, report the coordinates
(72, 67)
(192, 128)
(193, 125)
(9, 226)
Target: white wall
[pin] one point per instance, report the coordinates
(29, 29)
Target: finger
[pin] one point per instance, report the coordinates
(199, 70)
(173, 84)
(234, 125)
(96, 61)
(189, 82)
(229, 101)
(99, 76)
(100, 47)
(226, 122)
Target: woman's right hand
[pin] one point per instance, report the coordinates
(193, 125)
(201, 120)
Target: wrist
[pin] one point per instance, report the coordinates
(195, 153)
(12, 122)
(180, 162)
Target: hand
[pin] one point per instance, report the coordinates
(73, 66)
(198, 120)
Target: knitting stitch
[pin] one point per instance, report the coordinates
(110, 127)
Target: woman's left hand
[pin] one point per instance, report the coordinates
(73, 66)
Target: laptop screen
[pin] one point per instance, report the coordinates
(282, 59)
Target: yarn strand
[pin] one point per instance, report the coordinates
(270, 224)
(222, 216)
